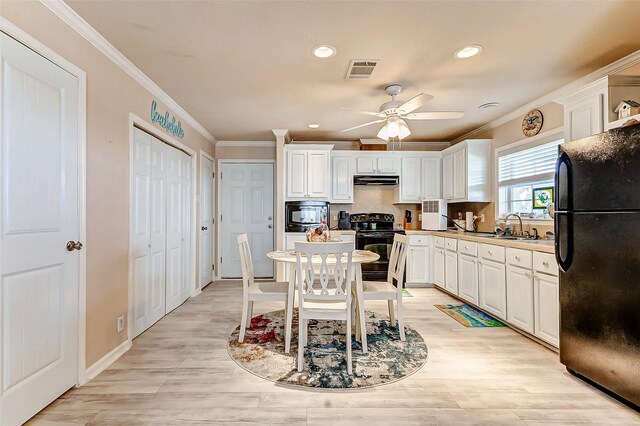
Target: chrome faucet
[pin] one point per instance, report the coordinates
(506, 220)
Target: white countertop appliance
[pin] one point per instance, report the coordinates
(434, 213)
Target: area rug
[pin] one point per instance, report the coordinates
(469, 316)
(388, 359)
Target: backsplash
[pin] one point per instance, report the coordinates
(488, 209)
(376, 199)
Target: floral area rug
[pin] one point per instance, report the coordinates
(388, 359)
(469, 316)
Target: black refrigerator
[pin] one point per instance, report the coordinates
(597, 227)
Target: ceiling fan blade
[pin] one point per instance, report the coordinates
(363, 125)
(415, 103)
(434, 115)
(375, 114)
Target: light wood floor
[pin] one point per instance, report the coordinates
(179, 372)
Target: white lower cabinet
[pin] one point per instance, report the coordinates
(493, 288)
(468, 277)
(451, 271)
(417, 264)
(438, 267)
(520, 298)
(546, 298)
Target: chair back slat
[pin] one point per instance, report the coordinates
(245, 260)
(326, 271)
(397, 260)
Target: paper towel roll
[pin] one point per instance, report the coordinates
(469, 220)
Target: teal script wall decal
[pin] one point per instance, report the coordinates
(163, 120)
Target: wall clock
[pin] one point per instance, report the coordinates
(532, 123)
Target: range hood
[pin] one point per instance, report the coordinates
(375, 180)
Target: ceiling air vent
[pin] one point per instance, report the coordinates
(361, 69)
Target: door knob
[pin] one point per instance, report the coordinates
(270, 226)
(269, 218)
(71, 245)
(204, 228)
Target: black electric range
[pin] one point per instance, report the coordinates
(374, 231)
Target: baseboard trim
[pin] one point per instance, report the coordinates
(104, 362)
(419, 285)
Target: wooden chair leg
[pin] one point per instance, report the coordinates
(348, 336)
(289, 321)
(243, 321)
(250, 313)
(392, 315)
(401, 320)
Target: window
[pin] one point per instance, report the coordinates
(525, 179)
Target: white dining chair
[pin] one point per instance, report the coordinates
(253, 291)
(324, 289)
(377, 290)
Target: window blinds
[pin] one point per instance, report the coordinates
(528, 165)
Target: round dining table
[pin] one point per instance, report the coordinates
(358, 258)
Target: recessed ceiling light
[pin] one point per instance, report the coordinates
(324, 51)
(468, 51)
(313, 126)
(489, 105)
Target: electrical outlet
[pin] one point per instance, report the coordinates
(120, 323)
(335, 216)
(420, 217)
(482, 218)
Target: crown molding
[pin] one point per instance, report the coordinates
(613, 68)
(82, 27)
(252, 144)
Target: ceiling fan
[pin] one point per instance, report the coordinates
(394, 113)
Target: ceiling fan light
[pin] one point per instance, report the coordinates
(393, 129)
(384, 133)
(404, 131)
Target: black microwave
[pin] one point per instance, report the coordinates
(300, 215)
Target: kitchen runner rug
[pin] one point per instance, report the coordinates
(388, 359)
(405, 293)
(469, 316)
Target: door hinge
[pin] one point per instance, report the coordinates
(213, 174)
(220, 259)
(220, 218)
(213, 221)
(213, 267)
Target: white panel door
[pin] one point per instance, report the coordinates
(493, 288)
(206, 221)
(246, 207)
(187, 284)
(431, 178)
(296, 174)
(155, 295)
(174, 259)
(468, 278)
(547, 310)
(451, 271)
(318, 174)
(460, 174)
(520, 298)
(39, 209)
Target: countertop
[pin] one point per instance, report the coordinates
(546, 246)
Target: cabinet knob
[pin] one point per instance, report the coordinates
(490, 252)
(518, 258)
(545, 264)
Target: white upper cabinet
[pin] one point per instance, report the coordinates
(465, 171)
(431, 178)
(419, 178)
(342, 168)
(590, 109)
(410, 188)
(373, 164)
(308, 173)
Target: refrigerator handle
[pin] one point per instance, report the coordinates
(563, 229)
(563, 194)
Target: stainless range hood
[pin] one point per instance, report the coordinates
(376, 180)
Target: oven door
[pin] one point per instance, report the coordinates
(380, 243)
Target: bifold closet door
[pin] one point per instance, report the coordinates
(161, 203)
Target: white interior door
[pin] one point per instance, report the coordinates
(206, 221)
(155, 296)
(39, 209)
(246, 207)
(186, 283)
(174, 230)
